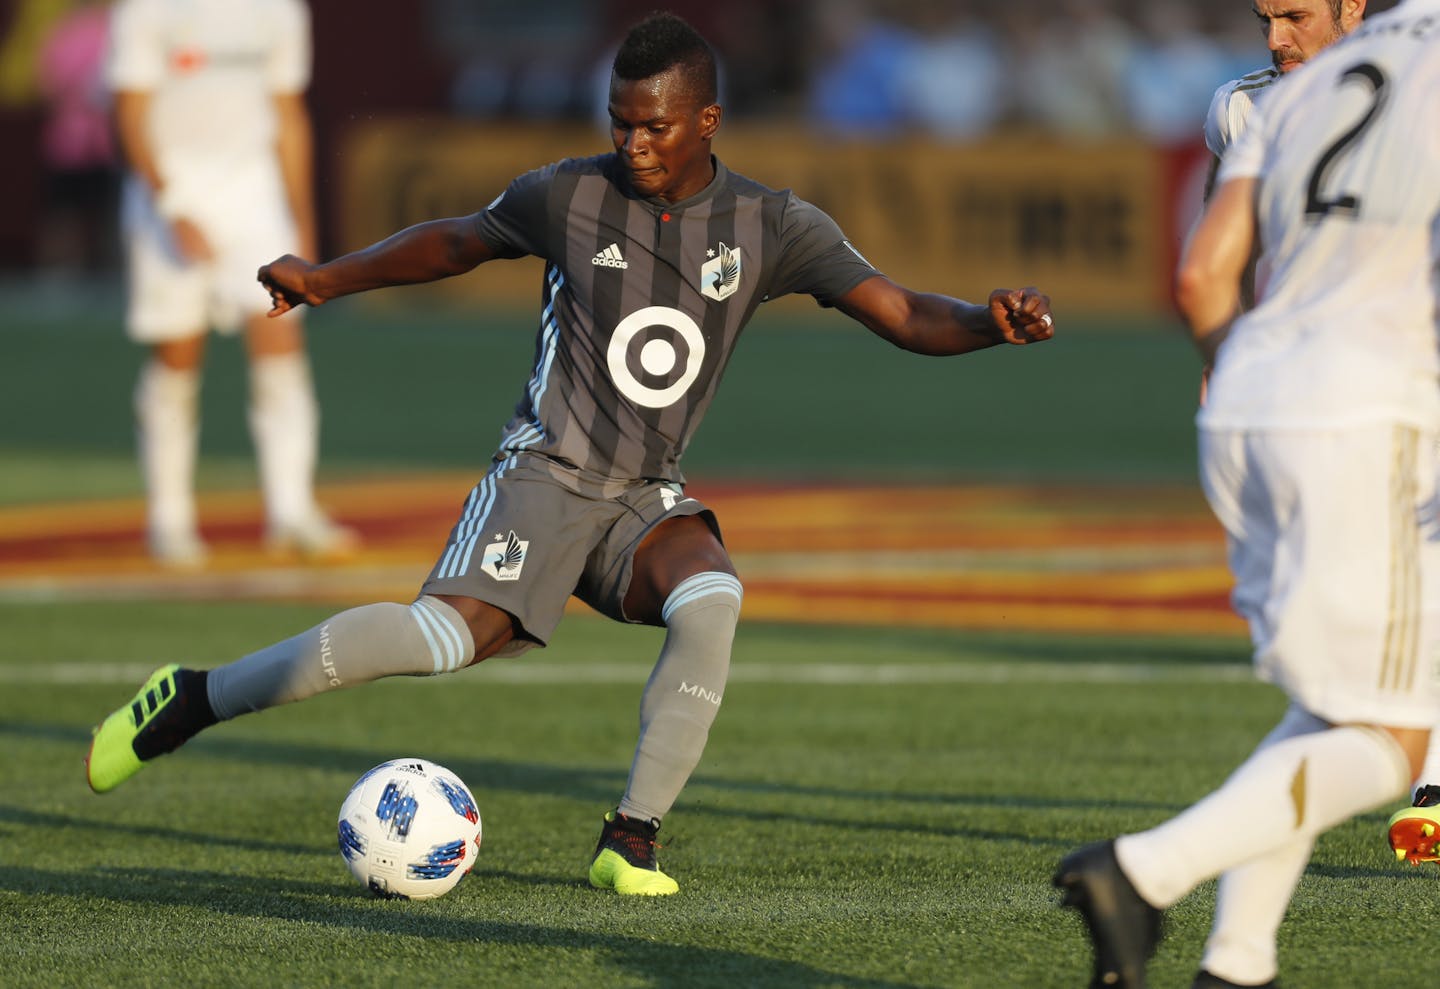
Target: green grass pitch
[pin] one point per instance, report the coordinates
(837, 833)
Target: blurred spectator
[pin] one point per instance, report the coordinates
(1068, 66)
(953, 84)
(1076, 69)
(24, 26)
(1173, 72)
(76, 145)
(859, 62)
(525, 60)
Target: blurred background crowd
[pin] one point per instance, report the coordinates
(953, 70)
(1083, 68)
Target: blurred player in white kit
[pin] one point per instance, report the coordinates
(210, 112)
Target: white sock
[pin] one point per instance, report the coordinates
(1251, 899)
(167, 434)
(285, 426)
(1287, 792)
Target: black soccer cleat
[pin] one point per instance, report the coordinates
(1124, 929)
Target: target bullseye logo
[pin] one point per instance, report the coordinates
(658, 357)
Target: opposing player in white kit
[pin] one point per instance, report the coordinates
(1295, 32)
(212, 121)
(1318, 455)
(1243, 935)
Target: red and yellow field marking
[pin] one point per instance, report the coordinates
(1070, 558)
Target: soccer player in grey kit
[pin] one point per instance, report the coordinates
(656, 257)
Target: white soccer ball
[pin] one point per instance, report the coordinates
(409, 829)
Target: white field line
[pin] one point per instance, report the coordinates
(532, 672)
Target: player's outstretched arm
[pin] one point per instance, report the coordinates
(425, 252)
(925, 323)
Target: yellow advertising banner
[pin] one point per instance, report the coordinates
(1089, 223)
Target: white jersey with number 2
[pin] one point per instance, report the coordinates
(1349, 215)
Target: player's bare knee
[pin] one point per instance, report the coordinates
(489, 627)
(184, 354)
(1414, 743)
(266, 337)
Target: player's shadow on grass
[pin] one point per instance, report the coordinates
(599, 786)
(332, 905)
(1352, 872)
(60, 822)
(892, 798)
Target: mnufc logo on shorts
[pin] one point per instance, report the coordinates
(505, 558)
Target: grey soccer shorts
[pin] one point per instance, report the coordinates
(533, 533)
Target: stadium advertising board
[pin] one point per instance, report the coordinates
(1091, 224)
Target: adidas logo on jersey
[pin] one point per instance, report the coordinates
(610, 258)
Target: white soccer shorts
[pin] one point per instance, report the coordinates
(247, 222)
(1334, 542)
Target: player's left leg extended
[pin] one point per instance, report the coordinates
(356, 646)
(677, 709)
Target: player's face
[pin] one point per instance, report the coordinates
(1298, 30)
(662, 134)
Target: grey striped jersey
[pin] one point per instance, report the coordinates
(643, 304)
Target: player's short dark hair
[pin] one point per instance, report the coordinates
(663, 41)
(1335, 10)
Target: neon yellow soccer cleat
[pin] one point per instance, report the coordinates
(112, 758)
(625, 858)
(1415, 831)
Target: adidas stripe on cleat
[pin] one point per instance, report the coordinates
(625, 858)
(158, 719)
(1415, 831)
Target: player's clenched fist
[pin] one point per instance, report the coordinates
(286, 279)
(1022, 315)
